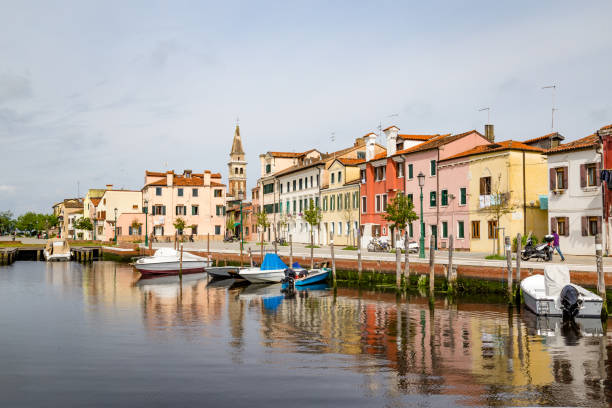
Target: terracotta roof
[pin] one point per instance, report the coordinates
(214, 175)
(606, 127)
(290, 155)
(497, 147)
(154, 173)
(299, 167)
(356, 181)
(196, 180)
(392, 126)
(95, 201)
(215, 184)
(379, 156)
(73, 203)
(586, 142)
(434, 142)
(351, 162)
(418, 137)
(537, 139)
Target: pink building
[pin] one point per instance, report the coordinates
(196, 198)
(444, 192)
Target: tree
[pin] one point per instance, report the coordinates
(500, 206)
(262, 224)
(7, 222)
(84, 224)
(179, 225)
(283, 221)
(400, 212)
(348, 216)
(313, 217)
(27, 221)
(229, 223)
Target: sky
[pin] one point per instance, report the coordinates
(95, 93)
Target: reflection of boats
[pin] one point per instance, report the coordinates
(270, 295)
(552, 294)
(556, 326)
(57, 249)
(226, 283)
(221, 272)
(167, 261)
(272, 269)
(169, 286)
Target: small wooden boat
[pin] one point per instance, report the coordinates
(221, 272)
(167, 261)
(272, 270)
(312, 277)
(552, 294)
(57, 249)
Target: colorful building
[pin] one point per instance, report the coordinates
(605, 137)
(67, 212)
(507, 178)
(113, 205)
(90, 204)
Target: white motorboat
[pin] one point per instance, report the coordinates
(57, 249)
(552, 294)
(272, 270)
(167, 261)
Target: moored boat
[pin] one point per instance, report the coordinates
(304, 278)
(57, 249)
(221, 272)
(272, 270)
(552, 294)
(167, 261)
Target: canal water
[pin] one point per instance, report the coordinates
(96, 335)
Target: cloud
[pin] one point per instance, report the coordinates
(5, 188)
(162, 51)
(14, 87)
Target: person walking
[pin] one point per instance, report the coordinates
(556, 246)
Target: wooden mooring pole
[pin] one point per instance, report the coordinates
(290, 250)
(181, 264)
(251, 257)
(398, 263)
(359, 265)
(331, 246)
(601, 282)
(406, 260)
(508, 249)
(432, 254)
(208, 243)
(519, 246)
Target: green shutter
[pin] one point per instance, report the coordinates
(432, 199)
(444, 197)
(463, 195)
(433, 167)
(444, 229)
(410, 171)
(410, 233)
(460, 228)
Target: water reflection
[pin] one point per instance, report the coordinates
(474, 353)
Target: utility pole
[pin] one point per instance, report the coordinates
(552, 117)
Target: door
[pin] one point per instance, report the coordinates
(434, 232)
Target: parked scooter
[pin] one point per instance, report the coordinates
(543, 251)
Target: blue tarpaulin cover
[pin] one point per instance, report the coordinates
(296, 265)
(271, 262)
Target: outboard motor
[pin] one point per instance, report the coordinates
(289, 276)
(570, 302)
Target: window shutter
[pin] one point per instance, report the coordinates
(482, 186)
(565, 173)
(553, 179)
(130, 230)
(140, 230)
(597, 175)
(566, 219)
(583, 175)
(163, 210)
(599, 225)
(553, 223)
(585, 226)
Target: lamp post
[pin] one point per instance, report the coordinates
(146, 211)
(241, 198)
(421, 178)
(115, 226)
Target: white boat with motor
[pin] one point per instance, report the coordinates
(167, 261)
(57, 249)
(552, 294)
(272, 270)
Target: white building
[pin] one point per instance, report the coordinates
(575, 197)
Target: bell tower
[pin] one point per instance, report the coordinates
(237, 168)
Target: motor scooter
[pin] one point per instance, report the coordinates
(543, 251)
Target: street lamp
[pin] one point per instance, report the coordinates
(146, 211)
(421, 178)
(115, 226)
(241, 198)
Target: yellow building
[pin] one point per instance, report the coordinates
(340, 202)
(506, 179)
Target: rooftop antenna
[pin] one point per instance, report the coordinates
(488, 113)
(552, 112)
(380, 122)
(78, 189)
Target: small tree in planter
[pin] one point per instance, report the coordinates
(400, 212)
(313, 217)
(136, 226)
(83, 224)
(262, 224)
(179, 225)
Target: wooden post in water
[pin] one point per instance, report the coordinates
(331, 246)
(449, 270)
(38, 255)
(290, 250)
(311, 249)
(275, 247)
(508, 249)
(181, 264)
(251, 257)
(208, 243)
(519, 246)
(432, 252)
(406, 259)
(601, 283)
(398, 263)
(359, 266)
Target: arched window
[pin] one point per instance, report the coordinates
(241, 171)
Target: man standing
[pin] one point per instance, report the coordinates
(556, 244)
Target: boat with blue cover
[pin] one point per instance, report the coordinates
(305, 278)
(272, 270)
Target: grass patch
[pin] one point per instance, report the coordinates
(349, 248)
(285, 244)
(496, 257)
(312, 246)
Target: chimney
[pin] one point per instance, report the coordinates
(187, 173)
(489, 133)
(391, 133)
(207, 177)
(169, 178)
(109, 186)
(370, 145)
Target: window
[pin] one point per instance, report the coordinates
(275, 207)
(432, 165)
(332, 203)
(325, 203)
(195, 210)
(317, 202)
(241, 170)
(460, 231)
(194, 192)
(444, 229)
(339, 228)
(444, 198)
(158, 210)
(560, 178)
(288, 185)
(485, 186)
(355, 201)
(593, 230)
(194, 230)
(410, 171)
(219, 210)
(591, 170)
(410, 198)
(268, 188)
(301, 205)
(339, 202)
(400, 169)
(311, 185)
(268, 208)
(157, 192)
(280, 185)
(287, 207)
(492, 229)
(380, 173)
(362, 176)
(294, 206)
(236, 170)
(361, 155)
(180, 192)
(300, 183)
(432, 199)
(218, 192)
(410, 230)
(377, 206)
(475, 229)
(384, 198)
(591, 225)
(376, 230)
(305, 182)
(217, 230)
(268, 168)
(317, 180)
(339, 177)
(181, 210)
(364, 202)
(562, 226)
(463, 194)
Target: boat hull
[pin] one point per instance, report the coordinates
(220, 272)
(171, 268)
(56, 257)
(312, 279)
(256, 275)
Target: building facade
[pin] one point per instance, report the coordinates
(113, 205)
